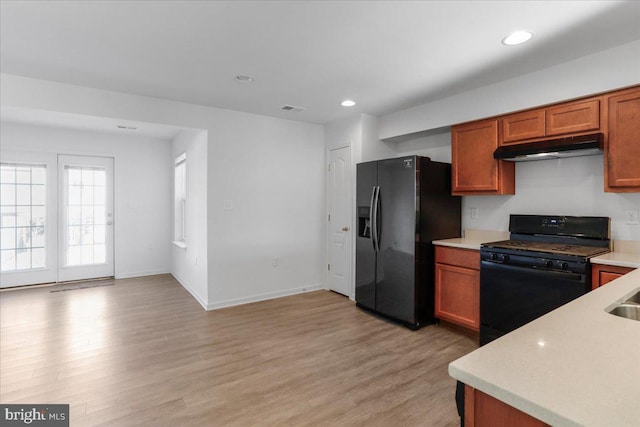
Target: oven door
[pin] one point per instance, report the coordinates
(511, 296)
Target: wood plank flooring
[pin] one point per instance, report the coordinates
(144, 352)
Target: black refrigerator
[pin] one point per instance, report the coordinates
(403, 204)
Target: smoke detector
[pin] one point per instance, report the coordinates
(292, 108)
(243, 79)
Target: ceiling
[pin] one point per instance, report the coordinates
(385, 55)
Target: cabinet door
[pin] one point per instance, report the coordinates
(573, 117)
(521, 126)
(483, 410)
(602, 274)
(458, 295)
(622, 167)
(474, 169)
(606, 277)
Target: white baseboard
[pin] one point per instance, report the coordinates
(193, 293)
(263, 297)
(141, 274)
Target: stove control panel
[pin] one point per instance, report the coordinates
(555, 225)
(560, 263)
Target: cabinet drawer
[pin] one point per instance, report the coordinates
(525, 125)
(467, 258)
(573, 117)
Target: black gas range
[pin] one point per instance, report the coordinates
(544, 265)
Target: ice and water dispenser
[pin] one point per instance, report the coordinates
(364, 222)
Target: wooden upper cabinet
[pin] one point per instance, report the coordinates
(567, 118)
(615, 114)
(573, 117)
(622, 151)
(526, 125)
(474, 170)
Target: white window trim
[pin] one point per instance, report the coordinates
(181, 243)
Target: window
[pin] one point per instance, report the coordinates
(22, 214)
(86, 215)
(180, 200)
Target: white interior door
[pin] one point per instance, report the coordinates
(28, 228)
(340, 220)
(85, 217)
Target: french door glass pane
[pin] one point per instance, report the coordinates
(86, 202)
(23, 213)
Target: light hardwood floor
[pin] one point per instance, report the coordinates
(144, 352)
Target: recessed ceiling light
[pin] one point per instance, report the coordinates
(348, 103)
(517, 37)
(244, 79)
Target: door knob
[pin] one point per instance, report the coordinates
(345, 228)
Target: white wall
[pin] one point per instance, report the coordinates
(344, 133)
(271, 243)
(437, 147)
(571, 186)
(142, 188)
(600, 72)
(371, 147)
(189, 265)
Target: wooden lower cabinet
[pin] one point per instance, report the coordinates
(457, 286)
(602, 274)
(482, 410)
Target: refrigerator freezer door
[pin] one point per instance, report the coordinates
(366, 178)
(397, 215)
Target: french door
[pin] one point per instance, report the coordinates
(85, 219)
(56, 221)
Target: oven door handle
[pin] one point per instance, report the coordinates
(530, 270)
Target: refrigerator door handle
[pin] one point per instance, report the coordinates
(374, 226)
(371, 219)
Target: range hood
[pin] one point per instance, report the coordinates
(583, 145)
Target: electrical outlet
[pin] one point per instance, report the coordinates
(275, 262)
(473, 213)
(631, 217)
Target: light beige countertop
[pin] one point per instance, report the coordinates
(473, 239)
(576, 366)
(626, 253)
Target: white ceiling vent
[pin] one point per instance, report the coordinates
(292, 108)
